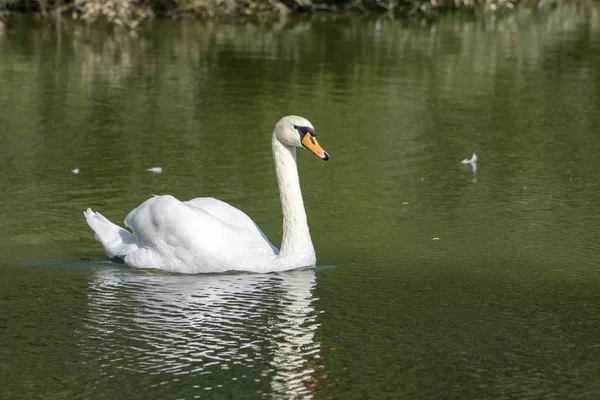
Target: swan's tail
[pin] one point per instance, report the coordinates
(117, 242)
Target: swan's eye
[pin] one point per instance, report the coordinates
(295, 127)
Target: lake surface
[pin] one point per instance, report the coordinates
(434, 279)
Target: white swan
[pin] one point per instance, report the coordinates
(207, 235)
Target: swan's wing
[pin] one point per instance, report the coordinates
(228, 214)
(201, 226)
(222, 211)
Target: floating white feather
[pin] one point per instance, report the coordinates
(472, 160)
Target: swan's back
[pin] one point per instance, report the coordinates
(203, 232)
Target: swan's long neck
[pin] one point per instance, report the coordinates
(296, 240)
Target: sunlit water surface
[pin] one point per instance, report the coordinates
(436, 279)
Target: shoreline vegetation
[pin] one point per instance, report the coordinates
(131, 13)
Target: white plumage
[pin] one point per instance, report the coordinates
(208, 235)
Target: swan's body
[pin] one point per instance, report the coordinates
(208, 235)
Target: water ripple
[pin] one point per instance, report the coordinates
(210, 328)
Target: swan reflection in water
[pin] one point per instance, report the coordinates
(257, 327)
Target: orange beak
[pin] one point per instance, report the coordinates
(310, 142)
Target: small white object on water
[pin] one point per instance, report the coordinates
(156, 170)
(75, 171)
(473, 160)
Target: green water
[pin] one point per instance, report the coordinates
(434, 280)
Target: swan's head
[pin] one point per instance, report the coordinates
(298, 132)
